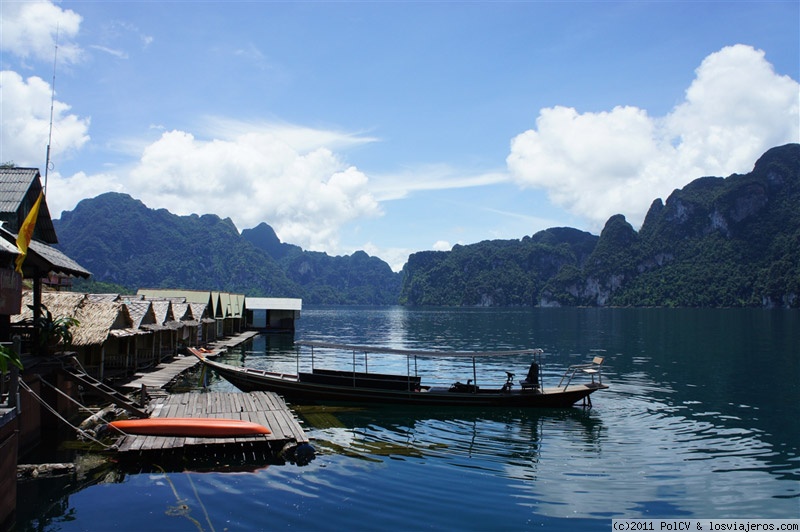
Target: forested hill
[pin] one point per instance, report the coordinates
(715, 243)
(127, 246)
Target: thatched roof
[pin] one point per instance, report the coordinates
(60, 305)
(163, 311)
(141, 312)
(199, 310)
(105, 297)
(181, 311)
(98, 318)
(111, 315)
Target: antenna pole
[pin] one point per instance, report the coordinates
(52, 101)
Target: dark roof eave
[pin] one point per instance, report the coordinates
(43, 259)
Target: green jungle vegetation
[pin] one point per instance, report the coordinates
(128, 246)
(718, 242)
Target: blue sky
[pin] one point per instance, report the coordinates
(396, 127)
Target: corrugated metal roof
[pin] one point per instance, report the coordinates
(47, 257)
(8, 247)
(190, 296)
(58, 262)
(19, 188)
(14, 185)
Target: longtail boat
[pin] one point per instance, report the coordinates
(332, 385)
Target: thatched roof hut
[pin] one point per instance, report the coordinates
(60, 305)
(98, 318)
(141, 312)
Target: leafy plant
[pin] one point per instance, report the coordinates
(8, 356)
(54, 331)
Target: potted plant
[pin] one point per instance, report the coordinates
(54, 332)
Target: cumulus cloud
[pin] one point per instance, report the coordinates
(65, 192)
(25, 108)
(600, 164)
(31, 30)
(258, 175)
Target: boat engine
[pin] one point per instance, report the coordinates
(460, 387)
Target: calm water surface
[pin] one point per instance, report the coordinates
(702, 421)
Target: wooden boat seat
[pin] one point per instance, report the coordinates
(595, 367)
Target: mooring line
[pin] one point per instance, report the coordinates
(53, 411)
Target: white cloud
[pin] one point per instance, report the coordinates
(441, 245)
(600, 164)
(305, 195)
(396, 258)
(65, 192)
(119, 54)
(25, 111)
(32, 29)
(431, 177)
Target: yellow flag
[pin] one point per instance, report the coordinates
(26, 232)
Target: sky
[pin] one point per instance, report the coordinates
(395, 126)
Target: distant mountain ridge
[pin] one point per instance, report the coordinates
(124, 243)
(717, 242)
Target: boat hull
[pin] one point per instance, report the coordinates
(300, 392)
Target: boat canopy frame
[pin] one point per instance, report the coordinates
(409, 353)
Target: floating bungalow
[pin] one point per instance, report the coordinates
(225, 310)
(117, 336)
(113, 336)
(272, 314)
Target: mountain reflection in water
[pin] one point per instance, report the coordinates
(700, 422)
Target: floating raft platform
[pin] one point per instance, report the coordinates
(284, 443)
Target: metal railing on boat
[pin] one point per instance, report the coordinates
(409, 353)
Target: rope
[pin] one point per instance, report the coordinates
(70, 398)
(27, 388)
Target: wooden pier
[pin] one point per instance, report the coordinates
(167, 371)
(285, 443)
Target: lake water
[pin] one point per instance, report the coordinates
(702, 420)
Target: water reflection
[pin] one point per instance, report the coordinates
(700, 421)
(682, 406)
(505, 442)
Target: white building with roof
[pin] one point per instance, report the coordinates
(272, 313)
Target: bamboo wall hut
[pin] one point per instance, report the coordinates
(142, 316)
(164, 339)
(207, 331)
(105, 340)
(189, 333)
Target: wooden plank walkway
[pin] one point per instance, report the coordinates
(265, 408)
(168, 370)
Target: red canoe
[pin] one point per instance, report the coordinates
(189, 426)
